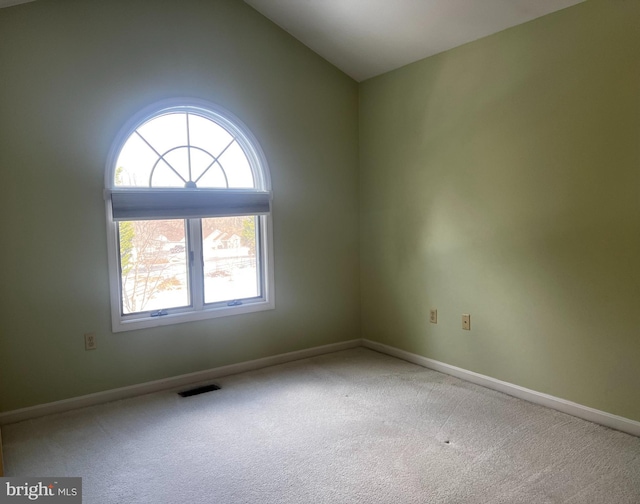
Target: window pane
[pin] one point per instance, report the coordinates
(165, 132)
(208, 135)
(229, 250)
(153, 263)
(236, 165)
(166, 176)
(134, 164)
(178, 160)
(213, 177)
(200, 163)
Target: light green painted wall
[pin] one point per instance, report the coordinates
(502, 179)
(71, 73)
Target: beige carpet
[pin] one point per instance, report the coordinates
(350, 427)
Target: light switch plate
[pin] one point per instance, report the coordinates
(433, 316)
(466, 321)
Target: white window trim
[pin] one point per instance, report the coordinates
(193, 313)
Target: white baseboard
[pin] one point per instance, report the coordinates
(571, 408)
(169, 383)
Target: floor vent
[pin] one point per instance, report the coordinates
(198, 390)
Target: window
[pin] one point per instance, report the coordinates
(188, 202)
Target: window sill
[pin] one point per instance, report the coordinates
(121, 324)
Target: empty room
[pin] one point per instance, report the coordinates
(324, 251)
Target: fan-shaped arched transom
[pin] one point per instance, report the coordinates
(184, 149)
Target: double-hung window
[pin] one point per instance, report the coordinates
(188, 200)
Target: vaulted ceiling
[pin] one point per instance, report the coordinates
(365, 38)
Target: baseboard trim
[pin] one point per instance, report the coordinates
(169, 383)
(571, 408)
(578, 410)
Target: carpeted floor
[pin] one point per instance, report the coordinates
(350, 427)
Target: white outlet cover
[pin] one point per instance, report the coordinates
(90, 342)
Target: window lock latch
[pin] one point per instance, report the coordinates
(159, 313)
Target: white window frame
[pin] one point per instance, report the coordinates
(197, 311)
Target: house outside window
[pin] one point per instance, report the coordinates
(188, 203)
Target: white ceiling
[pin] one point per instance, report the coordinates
(365, 38)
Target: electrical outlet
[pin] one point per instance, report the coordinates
(433, 316)
(90, 342)
(466, 322)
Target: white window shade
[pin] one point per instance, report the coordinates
(145, 204)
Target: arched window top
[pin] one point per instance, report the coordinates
(186, 159)
(186, 144)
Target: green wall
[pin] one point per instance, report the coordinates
(71, 74)
(502, 179)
